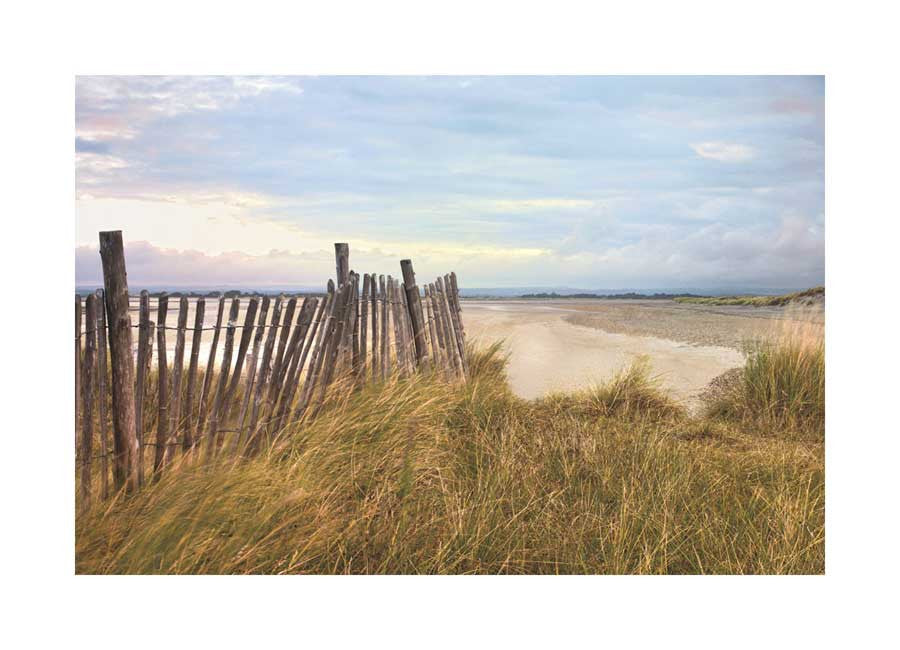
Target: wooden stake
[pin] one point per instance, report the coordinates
(432, 332)
(162, 373)
(246, 336)
(314, 343)
(177, 372)
(383, 345)
(415, 311)
(252, 370)
(342, 263)
(264, 374)
(145, 342)
(115, 283)
(101, 395)
(205, 403)
(77, 365)
(199, 313)
(87, 394)
(449, 336)
(215, 440)
(457, 325)
(363, 326)
(319, 353)
(279, 364)
(300, 349)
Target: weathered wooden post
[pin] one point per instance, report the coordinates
(385, 353)
(363, 326)
(205, 403)
(215, 437)
(262, 386)
(252, 366)
(77, 365)
(87, 394)
(376, 367)
(145, 343)
(342, 263)
(414, 305)
(177, 372)
(115, 281)
(199, 312)
(246, 336)
(435, 349)
(162, 418)
(101, 394)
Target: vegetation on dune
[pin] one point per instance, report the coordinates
(424, 476)
(809, 296)
(782, 384)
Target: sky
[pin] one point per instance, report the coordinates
(560, 181)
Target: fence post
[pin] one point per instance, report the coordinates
(177, 372)
(87, 394)
(205, 403)
(101, 394)
(77, 365)
(413, 303)
(342, 263)
(215, 438)
(162, 419)
(115, 282)
(363, 326)
(145, 342)
(199, 313)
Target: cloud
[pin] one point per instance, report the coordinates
(724, 151)
(582, 179)
(789, 253)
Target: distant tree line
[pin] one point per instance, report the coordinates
(630, 296)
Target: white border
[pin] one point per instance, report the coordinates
(46, 46)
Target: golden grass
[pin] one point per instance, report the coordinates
(425, 476)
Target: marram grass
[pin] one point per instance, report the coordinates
(430, 477)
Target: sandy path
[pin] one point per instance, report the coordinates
(547, 352)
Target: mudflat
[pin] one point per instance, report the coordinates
(573, 343)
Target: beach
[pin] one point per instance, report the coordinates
(569, 344)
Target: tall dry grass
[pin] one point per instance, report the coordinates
(782, 385)
(424, 476)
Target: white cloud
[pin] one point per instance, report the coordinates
(511, 205)
(724, 151)
(110, 108)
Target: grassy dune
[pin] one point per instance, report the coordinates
(429, 477)
(801, 297)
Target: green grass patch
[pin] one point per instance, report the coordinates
(800, 297)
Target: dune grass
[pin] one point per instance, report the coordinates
(782, 384)
(802, 297)
(424, 476)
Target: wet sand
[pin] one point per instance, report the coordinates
(570, 344)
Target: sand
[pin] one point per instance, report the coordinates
(571, 344)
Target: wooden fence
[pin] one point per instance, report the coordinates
(276, 365)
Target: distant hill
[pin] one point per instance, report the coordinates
(615, 296)
(807, 297)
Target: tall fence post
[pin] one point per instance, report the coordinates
(342, 263)
(414, 305)
(115, 282)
